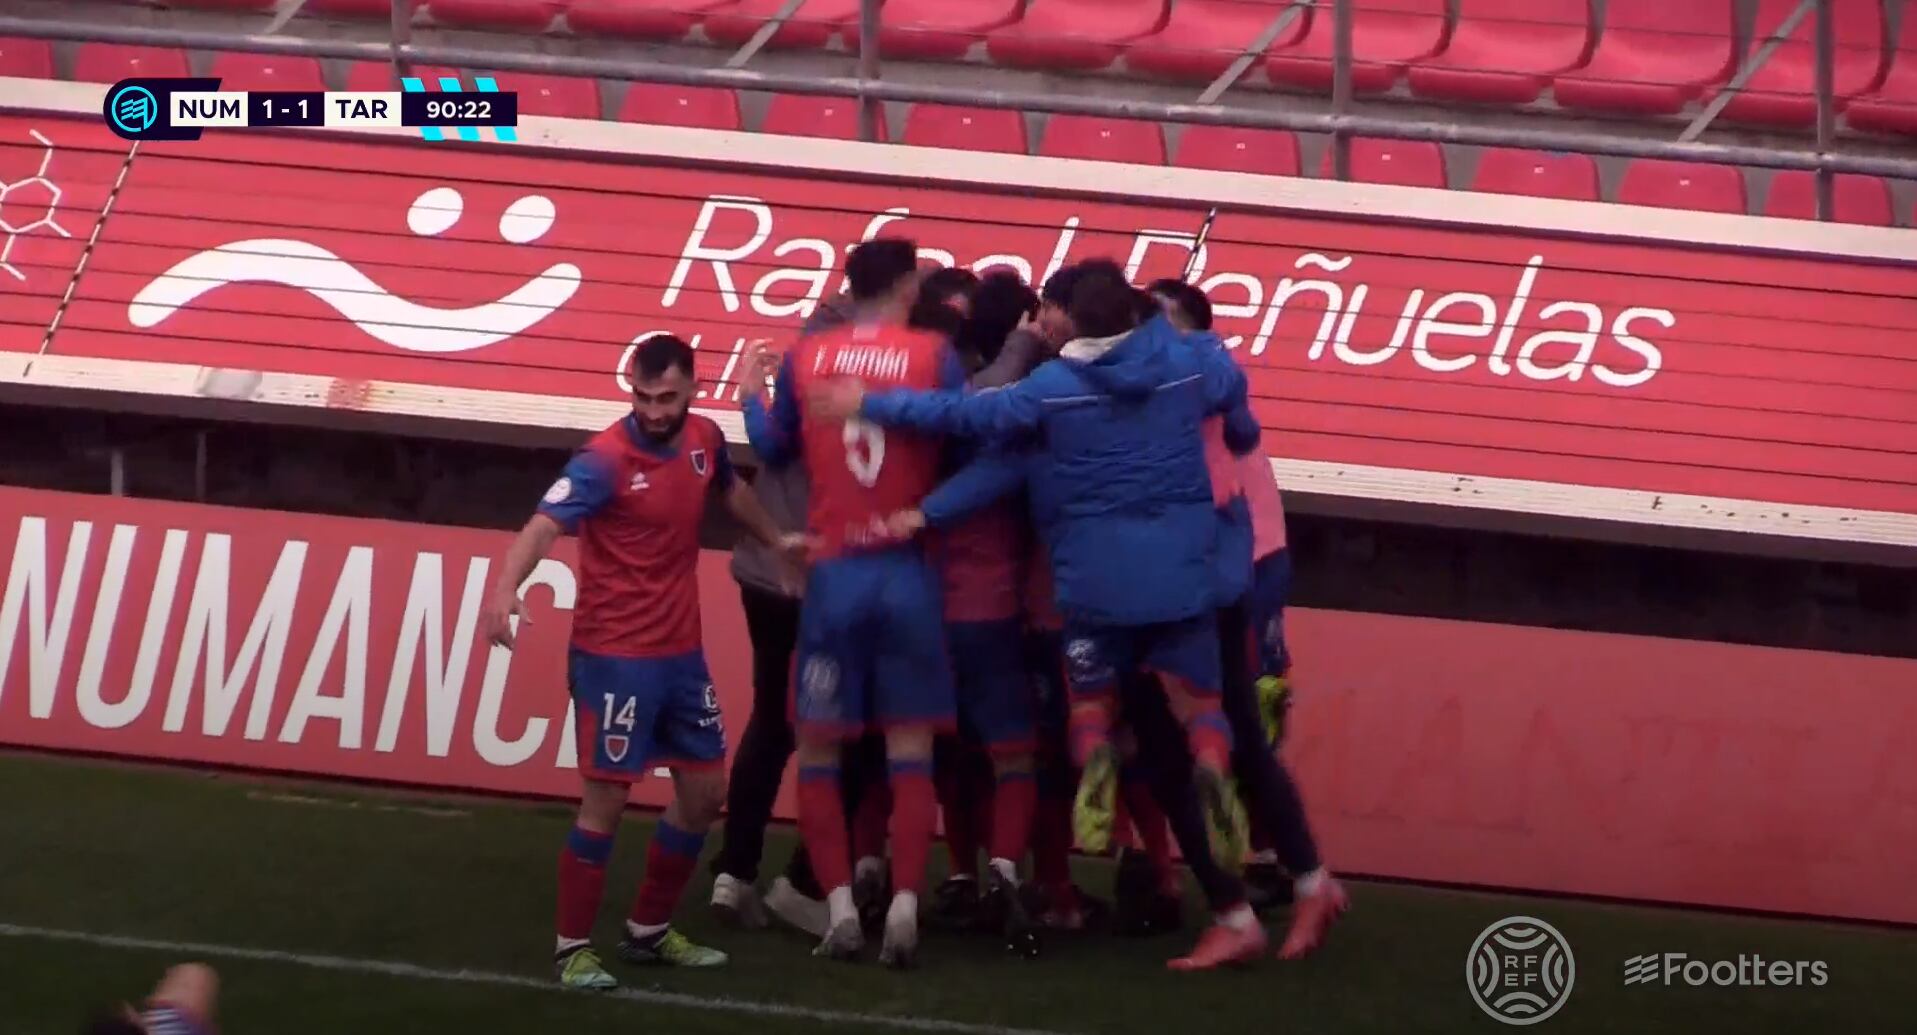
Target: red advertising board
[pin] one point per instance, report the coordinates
(1528, 758)
(1557, 357)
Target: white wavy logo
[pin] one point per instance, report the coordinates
(355, 296)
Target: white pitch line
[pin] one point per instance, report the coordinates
(417, 972)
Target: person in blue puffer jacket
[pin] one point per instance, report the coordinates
(1122, 497)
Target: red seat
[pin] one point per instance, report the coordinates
(646, 19)
(1203, 37)
(1654, 57)
(1858, 199)
(1401, 163)
(1893, 107)
(26, 59)
(1083, 34)
(1697, 186)
(1000, 130)
(378, 76)
(266, 72)
(224, 5)
(552, 96)
(1781, 92)
(350, 8)
(812, 25)
(1273, 152)
(513, 15)
(1506, 51)
(1103, 140)
(799, 116)
(697, 107)
(112, 62)
(935, 29)
(1537, 174)
(1386, 35)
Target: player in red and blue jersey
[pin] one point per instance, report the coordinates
(871, 633)
(636, 495)
(182, 1003)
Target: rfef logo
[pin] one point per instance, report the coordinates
(1746, 971)
(1520, 970)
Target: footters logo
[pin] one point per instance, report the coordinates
(1746, 971)
(1520, 970)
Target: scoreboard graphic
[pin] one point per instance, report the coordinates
(441, 108)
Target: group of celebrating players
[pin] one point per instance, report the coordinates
(1037, 592)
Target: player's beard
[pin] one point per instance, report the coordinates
(665, 435)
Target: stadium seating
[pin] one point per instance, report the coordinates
(225, 5)
(1654, 57)
(1537, 174)
(811, 26)
(1696, 186)
(999, 130)
(378, 75)
(1203, 37)
(1506, 51)
(1386, 35)
(112, 62)
(554, 96)
(1273, 152)
(799, 116)
(1403, 163)
(696, 107)
(645, 19)
(1080, 34)
(507, 15)
(1892, 108)
(1103, 140)
(1859, 199)
(1781, 92)
(935, 29)
(264, 72)
(26, 59)
(350, 8)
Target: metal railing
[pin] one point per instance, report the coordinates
(868, 86)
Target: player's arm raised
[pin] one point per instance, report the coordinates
(1227, 392)
(773, 429)
(582, 489)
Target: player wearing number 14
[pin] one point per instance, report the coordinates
(636, 495)
(871, 632)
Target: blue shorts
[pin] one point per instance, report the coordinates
(1097, 657)
(1265, 611)
(170, 1020)
(872, 646)
(635, 713)
(996, 703)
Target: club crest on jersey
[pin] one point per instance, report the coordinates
(712, 719)
(820, 683)
(560, 492)
(1087, 667)
(638, 481)
(615, 745)
(698, 458)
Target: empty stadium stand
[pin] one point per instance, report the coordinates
(112, 62)
(811, 26)
(1654, 57)
(1203, 37)
(798, 116)
(1781, 93)
(27, 59)
(1402, 163)
(1506, 51)
(1696, 186)
(1892, 107)
(510, 15)
(266, 72)
(1386, 36)
(1235, 149)
(936, 29)
(1104, 140)
(643, 19)
(1080, 34)
(697, 107)
(1504, 170)
(999, 130)
(556, 96)
(1858, 199)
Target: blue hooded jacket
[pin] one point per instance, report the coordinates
(1116, 466)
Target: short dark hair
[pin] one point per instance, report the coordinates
(1196, 306)
(876, 267)
(1001, 301)
(1104, 303)
(660, 353)
(932, 310)
(1058, 287)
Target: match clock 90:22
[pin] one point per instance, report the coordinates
(452, 109)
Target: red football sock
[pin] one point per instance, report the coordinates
(1153, 829)
(670, 860)
(1091, 727)
(822, 825)
(961, 819)
(913, 807)
(582, 880)
(1014, 800)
